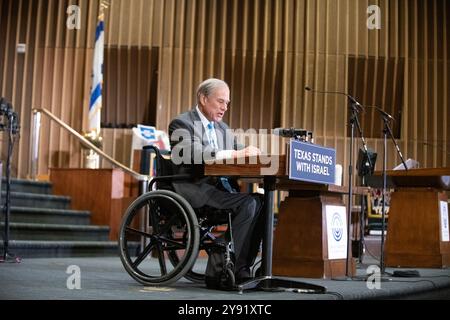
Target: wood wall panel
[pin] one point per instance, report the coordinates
(266, 50)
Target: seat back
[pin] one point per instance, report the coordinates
(163, 167)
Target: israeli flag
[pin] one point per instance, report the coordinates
(95, 103)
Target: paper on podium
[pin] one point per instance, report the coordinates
(410, 164)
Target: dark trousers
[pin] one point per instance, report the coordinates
(246, 225)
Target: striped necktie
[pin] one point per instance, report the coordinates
(212, 141)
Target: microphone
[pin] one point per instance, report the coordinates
(353, 100)
(387, 115)
(293, 133)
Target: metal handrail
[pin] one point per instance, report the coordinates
(83, 140)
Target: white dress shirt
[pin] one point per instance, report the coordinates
(212, 137)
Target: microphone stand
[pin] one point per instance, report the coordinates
(386, 130)
(353, 119)
(7, 256)
(362, 217)
(355, 109)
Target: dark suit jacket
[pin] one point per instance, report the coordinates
(188, 140)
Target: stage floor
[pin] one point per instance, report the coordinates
(104, 278)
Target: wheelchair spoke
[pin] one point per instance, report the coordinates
(175, 243)
(161, 259)
(143, 254)
(142, 233)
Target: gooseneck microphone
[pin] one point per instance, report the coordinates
(299, 134)
(290, 132)
(385, 114)
(353, 100)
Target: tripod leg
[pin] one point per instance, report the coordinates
(362, 218)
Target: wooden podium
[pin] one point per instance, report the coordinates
(300, 246)
(106, 193)
(418, 228)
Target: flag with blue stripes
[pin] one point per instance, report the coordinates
(95, 103)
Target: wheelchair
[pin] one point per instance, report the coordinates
(170, 233)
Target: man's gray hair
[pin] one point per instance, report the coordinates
(208, 86)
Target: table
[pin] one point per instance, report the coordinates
(251, 168)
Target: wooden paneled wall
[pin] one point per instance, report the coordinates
(266, 50)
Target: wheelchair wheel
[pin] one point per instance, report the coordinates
(194, 276)
(163, 223)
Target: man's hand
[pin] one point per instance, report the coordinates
(250, 151)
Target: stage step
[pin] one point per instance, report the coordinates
(43, 225)
(35, 200)
(50, 216)
(46, 231)
(62, 249)
(28, 186)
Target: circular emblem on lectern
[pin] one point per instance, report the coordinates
(337, 227)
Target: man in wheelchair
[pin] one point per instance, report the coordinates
(200, 135)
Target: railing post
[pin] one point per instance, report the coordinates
(143, 188)
(144, 218)
(34, 145)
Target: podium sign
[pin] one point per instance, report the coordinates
(311, 163)
(336, 232)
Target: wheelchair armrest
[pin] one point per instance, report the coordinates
(169, 179)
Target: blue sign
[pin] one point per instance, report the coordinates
(312, 163)
(147, 132)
